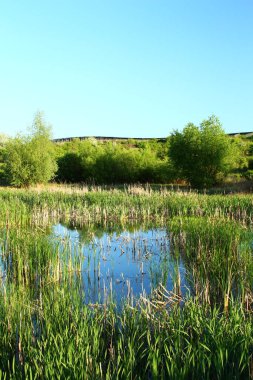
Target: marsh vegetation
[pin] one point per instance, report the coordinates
(125, 284)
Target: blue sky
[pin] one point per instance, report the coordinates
(138, 68)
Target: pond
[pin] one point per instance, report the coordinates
(197, 256)
(120, 265)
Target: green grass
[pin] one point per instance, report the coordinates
(22, 207)
(59, 337)
(48, 332)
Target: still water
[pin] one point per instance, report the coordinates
(124, 264)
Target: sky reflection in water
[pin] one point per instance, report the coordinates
(122, 264)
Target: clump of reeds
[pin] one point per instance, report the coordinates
(54, 335)
(218, 257)
(92, 204)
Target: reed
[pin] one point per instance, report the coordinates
(60, 337)
(218, 256)
(48, 330)
(117, 205)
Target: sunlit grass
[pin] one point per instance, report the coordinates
(46, 329)
(102, 205)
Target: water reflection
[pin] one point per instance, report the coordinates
(121, 264)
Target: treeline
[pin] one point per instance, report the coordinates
(200, 156)
(113, 163)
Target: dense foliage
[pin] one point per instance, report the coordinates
(203, 155)
(112, 163)
(197, 156)
(30, 159)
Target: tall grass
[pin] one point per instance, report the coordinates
(218, 256)
(60, 337)
(21, 207)
(46, 329)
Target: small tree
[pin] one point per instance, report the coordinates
(202, 155)
(30, 159)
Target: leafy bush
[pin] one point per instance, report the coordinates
(203, 155)
(30, 159)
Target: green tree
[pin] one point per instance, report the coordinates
(70, 168)
(3, 140)
(202, 155)
(30, 159)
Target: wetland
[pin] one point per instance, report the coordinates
(125, 284)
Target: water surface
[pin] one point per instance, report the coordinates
(122, 265)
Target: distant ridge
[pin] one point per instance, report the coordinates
(246, 134)
(105, 138)
(158, 139)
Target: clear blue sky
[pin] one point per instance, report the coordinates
(138, 68)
